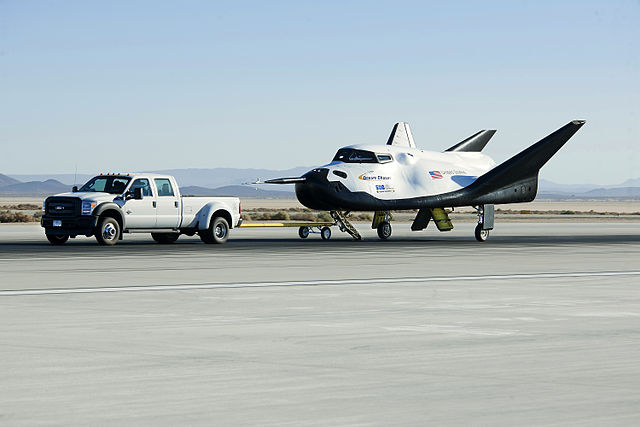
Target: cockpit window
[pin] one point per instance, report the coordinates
(351, 155)
(384, 158)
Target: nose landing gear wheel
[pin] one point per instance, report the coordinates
(325, 233)
(303, 232)
(481, 235)
(384, 230)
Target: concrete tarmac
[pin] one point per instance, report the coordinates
(539, 326)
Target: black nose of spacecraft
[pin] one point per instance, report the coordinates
(316, 191)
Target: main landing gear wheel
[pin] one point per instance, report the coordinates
(384, 230)
(481, 235)
(325, 233)
(218, 231)
(56, 239)
(165, 238)
(303, 232)
(108, 231)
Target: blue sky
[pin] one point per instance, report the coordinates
(142, 85)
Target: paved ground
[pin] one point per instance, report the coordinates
(538, 326)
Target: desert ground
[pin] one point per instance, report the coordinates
(552, 210)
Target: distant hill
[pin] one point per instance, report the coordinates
(207, 178)
(245, 191)
(228, 182)
(626, 192)
(67, 178)
(550, 188)
(546, 186)
(631, 183)
(222, 177)
(7, 180)
(35, 188)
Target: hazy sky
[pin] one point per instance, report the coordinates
(142, 85)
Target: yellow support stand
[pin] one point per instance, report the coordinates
(441, 218)
(378, 217)
(286, 224)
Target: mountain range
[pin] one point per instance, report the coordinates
(207, 178)
(229, 182)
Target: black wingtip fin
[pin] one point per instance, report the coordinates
(475, 142)
(525, 165)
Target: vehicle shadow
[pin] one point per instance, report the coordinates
(82, 247)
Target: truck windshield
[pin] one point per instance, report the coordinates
(351, 155)
(106, 184)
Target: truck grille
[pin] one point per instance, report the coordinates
(63, 207)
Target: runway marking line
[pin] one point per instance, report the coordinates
(197, 286)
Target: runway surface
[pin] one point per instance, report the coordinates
(540, 325)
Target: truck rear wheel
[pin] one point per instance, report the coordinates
(165, 238)
(108, 231)
(56, 239)
(218, 231)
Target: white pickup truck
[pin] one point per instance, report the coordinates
(109, 205)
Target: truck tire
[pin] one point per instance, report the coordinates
(108, 231)
(165, 238)
(56, 239)
(218, 231)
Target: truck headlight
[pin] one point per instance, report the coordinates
(88, 207)
(44, 207)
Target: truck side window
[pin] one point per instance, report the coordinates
(142, 183)
(164, 187)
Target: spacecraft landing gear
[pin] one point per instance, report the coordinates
(485, 222)
(341, 219)
(382, 222)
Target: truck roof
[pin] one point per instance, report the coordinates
(134, 174)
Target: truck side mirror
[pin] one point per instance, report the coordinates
(74, 189)
(137, 193)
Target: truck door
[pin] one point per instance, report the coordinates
(168, 204)
(140, 213)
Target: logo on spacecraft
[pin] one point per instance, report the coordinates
(370, 176)
(384, 188)
(442, 174)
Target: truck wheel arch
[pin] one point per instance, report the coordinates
(112, 210)
(224, 214)
(211, 211)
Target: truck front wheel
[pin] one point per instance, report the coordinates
(218, 231)
(108, 231)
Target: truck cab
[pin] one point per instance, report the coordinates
(110, 205)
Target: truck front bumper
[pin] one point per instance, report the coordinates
(74, 226)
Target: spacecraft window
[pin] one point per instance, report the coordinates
(385, 158)
(351, 155)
